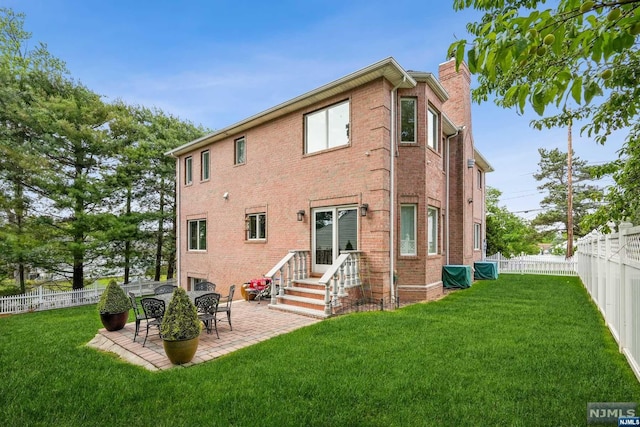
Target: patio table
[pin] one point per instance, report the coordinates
(191, 294)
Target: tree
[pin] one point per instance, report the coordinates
(21, 70)
(553, 175)
(507, 233)
(580, 57)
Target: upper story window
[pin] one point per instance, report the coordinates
(432, 230)
(327, 128)
(197, 235)
(256, 226)
(240, 151)
(433, 129)
(479, 175)
(408, 120)
(204, 165)
(408, 230)
(188, 170)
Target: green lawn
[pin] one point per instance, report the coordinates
(518, 351)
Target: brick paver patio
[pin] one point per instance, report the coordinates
(252, 323)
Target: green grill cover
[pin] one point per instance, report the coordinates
(485, 270)
(456, 276)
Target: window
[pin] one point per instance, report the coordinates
(408, 230)
(188, 170)
(432, 244)
(476, 236)
(240, 150)
(197, 237)
(408, 120)
(327, 128)
(479, 174)
(204, 165)
(433, 128)
(257, 226)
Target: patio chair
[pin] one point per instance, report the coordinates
(136, 311)
(226, 308)
(164, 289)
(205, 286)
(207, 306)
(153, 312)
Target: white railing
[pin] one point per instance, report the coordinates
(343, 273)
(609, 267)
(45, 299)
(293, 266)
(554, 265)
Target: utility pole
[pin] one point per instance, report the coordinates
(569, 195)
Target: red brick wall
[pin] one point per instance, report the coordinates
(280, 180)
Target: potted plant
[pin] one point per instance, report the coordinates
(180, 328)
(114, 307)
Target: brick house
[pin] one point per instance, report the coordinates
(333, 191)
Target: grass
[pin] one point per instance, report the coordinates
(519, 351)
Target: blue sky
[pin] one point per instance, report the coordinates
(217, 62)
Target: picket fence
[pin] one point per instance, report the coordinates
(609, 267)
(555, 265)
(45, 299)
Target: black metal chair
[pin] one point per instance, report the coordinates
(164, 289)
(205, 286)
(226, 308)
(136, 311)
(154, 312)
(207, 306)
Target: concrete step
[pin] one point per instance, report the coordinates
(305, 292)
(317, 314)
(312, 303)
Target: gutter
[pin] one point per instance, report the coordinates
(178, 222)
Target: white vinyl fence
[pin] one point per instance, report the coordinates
(609, 266)
(555, 265)
(45, 299)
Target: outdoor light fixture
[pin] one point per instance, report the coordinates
(363, 209)
(301, 215)
(471, 163)
(469, 200)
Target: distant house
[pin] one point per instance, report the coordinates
(371, 174)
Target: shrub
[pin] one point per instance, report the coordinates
(113, 299)
(180, 320)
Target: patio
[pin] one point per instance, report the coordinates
(252, 323)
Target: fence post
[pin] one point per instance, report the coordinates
(624, 294)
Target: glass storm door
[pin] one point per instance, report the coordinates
(335, 229)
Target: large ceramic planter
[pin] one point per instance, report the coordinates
(180, 352)
(114, 321)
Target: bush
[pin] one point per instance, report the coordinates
(113, 299)
(180, 320)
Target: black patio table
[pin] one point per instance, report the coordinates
(191, 294)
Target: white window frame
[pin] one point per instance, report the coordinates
(413, 119)
(188, 170)
(256, 229)
(330, 133)
(477, 236)
(408, 247)
(205, 168)
(236, 157)
(201, 233)
(433, 128)
(433, 214)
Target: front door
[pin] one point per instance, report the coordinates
(335, 229)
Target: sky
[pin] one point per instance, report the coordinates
(216, 62)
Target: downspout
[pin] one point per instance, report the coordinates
(392, 190)
(178, 222)
(448, 171)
